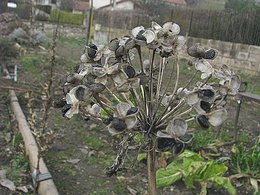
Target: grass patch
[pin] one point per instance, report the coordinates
(93, 142)
(202, 139)
(17, 139)
(253, 83)
(75, 42)
(210, 4)
(19, 166)
(33, 63)
(246, 160)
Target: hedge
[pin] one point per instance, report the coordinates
(66, 17)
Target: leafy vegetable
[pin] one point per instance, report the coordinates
(191, 168)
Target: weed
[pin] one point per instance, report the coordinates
(33, 64)
(202, 138)
(244, 137)
(19, 166)
(79, 42)
(17, 139)
(246, 160)
(224, 136)
(93, 142)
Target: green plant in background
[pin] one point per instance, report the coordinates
(192, 168)
(202, 139)
(34, 63)
(17, 139)
(66, 17)
(7, 49)
(19, 166)
(245, 162)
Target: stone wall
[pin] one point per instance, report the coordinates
(241, 57)
(64, 30)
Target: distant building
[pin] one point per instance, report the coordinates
(80, 6)
(100, 3)
(175, 2)
(123, 5)
(52, 3)
(44, 2)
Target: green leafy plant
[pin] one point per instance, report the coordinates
(192, 168)
(245, 162)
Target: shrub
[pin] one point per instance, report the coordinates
(66, 17)
(7, 49)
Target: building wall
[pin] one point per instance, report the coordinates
(100, 3)
(43, 2)
(125, 6)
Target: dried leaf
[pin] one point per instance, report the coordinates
(8, 137)
(73, 161)
(22, 189)
(131, 190)
(8, 184)
(2, 174)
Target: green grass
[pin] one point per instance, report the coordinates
(202, 138)
(93, 142)
(246, 160)
(17, 139)
(19, 166)
(253, 83)
(34, 63)
(210, 4)
(75, 42)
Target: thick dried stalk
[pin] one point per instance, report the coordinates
(151, 171)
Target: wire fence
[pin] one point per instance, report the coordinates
(240, 27)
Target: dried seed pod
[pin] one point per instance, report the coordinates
(203, 121)
(65, 108)
(130, 71)
(113, 44)
(196, 51)
(59, 102)
(210, 54)
(206, 94)
(118, 124)
(132, 110)
(97, 88)
(205, 106)
(165, 144)
(178, 148)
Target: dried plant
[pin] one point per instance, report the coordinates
(136, 100)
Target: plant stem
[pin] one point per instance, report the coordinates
(151, 172)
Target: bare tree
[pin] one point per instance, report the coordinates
(3, 6)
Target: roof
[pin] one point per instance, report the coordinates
(80, 5)
(179, 2)
(136, 2)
